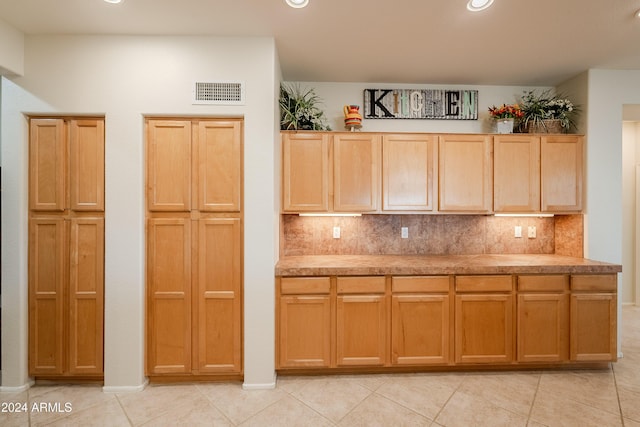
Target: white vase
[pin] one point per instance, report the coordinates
(504, 125)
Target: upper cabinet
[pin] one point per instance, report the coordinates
(409, 172)
(465, 173)
(324, 172)
(356, 163)
(561, 161)
(305, 172)
(451, 173)
(538, 173)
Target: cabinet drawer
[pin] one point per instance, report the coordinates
(484, 284)
(304, 285)
(361, 285)
(420, 284)
(543, 283)
(594, 282)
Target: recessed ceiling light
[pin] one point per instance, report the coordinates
(637, 14)
(478, 5)
(114, 1)
(297, 3)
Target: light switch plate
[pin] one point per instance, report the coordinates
(405, 232)
(518, 231)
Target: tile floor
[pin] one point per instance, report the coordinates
(609, 397)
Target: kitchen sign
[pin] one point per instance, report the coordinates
(421, 104)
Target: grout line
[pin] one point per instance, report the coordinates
(211, 402)
(535, 396)
(615, 382)
(124, 411)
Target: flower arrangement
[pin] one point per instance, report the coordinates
(299, 109)
(512, 111)
(540, 107)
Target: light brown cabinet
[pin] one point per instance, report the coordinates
(361, 321)
(194, 247)
(465, 173)
(306, 183)
(593, 318)
(66, 247)
(305, 325)
(543, 318)
(409, 172)
(538, 173)
(420, 320)
(356, 164)
(330, 172)
(484, 319)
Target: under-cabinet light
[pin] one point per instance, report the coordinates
(329, 214)
(114, 1)
(526, 215)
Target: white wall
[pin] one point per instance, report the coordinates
(11, 50)
(336, 95)
(125, 78)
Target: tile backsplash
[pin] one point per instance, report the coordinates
(430, 235)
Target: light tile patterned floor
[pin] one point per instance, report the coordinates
(609, 397)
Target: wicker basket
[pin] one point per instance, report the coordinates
(545, 126)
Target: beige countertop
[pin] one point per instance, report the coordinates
(360, 265)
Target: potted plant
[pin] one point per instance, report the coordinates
(505, 116)
(299, 109)
(545, 112)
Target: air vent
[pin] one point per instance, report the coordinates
(218, 93)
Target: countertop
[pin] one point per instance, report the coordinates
(362, 265)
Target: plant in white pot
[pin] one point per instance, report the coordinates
(299, 109)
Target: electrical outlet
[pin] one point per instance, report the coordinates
(532, 232)
(405, 232)
(518, 231)
(336, 232)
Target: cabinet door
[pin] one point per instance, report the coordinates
(361, 330)
(305, 331)
(86, 296)
(543, 334)
(407, 172)
(561, 173)
(47, 260)
(47, 165)
(169, 165)
(86, 171)
(169, 295)
(516, 173)
(305, 172)
(593, 327)
(356, 172)
(420, 329)
(465, 173)
(484, 328)
(219, 299)
(219, 158)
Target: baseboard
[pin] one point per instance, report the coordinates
(19, 389)
(265, 386)
(125, 389)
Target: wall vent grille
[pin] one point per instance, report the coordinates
(218, 93)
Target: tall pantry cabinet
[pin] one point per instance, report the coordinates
(66, 247)
(194, 247)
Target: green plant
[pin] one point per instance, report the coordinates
(538, 107)
(299, 109)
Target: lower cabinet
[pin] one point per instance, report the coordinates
(484, 319)
(304, 317)
(543, 318)
(361, 321)
(420, 321)
(593, 318)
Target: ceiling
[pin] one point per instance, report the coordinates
(515, 42)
